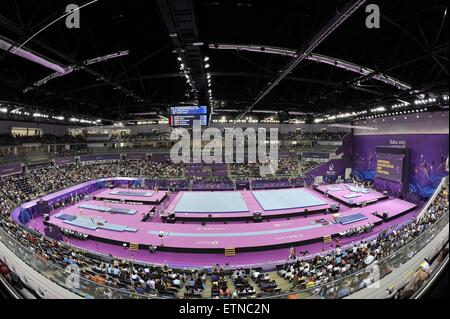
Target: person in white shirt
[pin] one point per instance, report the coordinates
(369, 259)
(151, 283)
(177, 282)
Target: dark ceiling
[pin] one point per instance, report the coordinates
(411, 46)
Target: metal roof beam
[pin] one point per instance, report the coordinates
(336, 62)
(179, 18)
(346, 11)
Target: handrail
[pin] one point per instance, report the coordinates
(325, 285)
(433, 197)
(19, 245)
(418, 294)
(12, 292)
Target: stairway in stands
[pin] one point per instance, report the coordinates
(282, 283)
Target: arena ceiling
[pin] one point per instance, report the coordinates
(410, 47)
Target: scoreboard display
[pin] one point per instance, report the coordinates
(184, 116)
(390, 166)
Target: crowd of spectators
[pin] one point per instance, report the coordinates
(74, 150)
(421, 276)
(268, 183)
(357, 230)
(216, 183)
(149, 136)
(319, 136)
(11, 140)
(139, 280)
(286, 167)
(342, 262)
(308, 164)
(142, 279)
(31, 183)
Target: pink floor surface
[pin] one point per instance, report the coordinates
(261, 258)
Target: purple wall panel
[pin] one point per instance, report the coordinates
(428, 158)
(160, 158)
(99, 157)
(9, 169)
(428, 154)
(64, 160)
(320, 155)
(84, 188)
(287, 154)
(335, 167)
(329, 170)
(136, 156)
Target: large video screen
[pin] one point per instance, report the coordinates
(390, 166)
(181, 116)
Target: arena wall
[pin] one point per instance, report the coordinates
(425, 135)
(54, 129)
(44, 287)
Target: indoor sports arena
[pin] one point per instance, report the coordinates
(224, 149)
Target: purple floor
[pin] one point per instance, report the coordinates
(252, 205)
(215, 236)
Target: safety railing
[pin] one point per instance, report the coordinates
(67, 277)
(70, 279)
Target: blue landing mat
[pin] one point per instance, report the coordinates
(65, 216)
(109, 209)
(93, 224)
(211, 202)
(351, 218)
